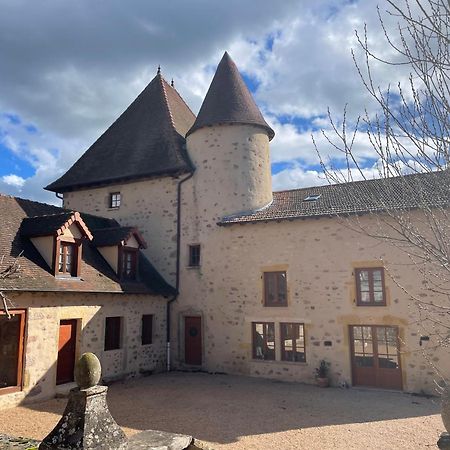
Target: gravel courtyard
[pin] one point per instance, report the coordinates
(231, 412)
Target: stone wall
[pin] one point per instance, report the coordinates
(232, 170)
(319, 256)
(149, 205)
(44, 312)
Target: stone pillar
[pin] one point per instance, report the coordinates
(86, 423)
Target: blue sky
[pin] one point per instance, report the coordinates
(69, 71)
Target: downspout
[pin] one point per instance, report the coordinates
(177, 270)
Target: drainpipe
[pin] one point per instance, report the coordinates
(177, 271)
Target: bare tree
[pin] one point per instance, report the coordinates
(8, 270)
(410, 137)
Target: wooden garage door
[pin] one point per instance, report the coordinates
(375, 356)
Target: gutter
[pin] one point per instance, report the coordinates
(177, 271)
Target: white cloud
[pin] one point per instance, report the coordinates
(13, 180)
(72, 69)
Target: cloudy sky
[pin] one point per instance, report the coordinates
(68, 69)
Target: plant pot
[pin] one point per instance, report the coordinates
(445, 411)
(323, 382)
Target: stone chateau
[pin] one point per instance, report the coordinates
(172, 252)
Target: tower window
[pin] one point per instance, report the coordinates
(194, 255)
(114, 200)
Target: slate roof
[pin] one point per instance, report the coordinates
(52, 224)
(35, 275)
(359, 197)
(228, 101)
(147, 140)
(115, 235)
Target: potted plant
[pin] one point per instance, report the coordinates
(322, 374)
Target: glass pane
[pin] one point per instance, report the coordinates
(270, 287)
(281, 287)
(60, 259)
(376, 275)
(69, 258)
(365, 297)
(358, 346)
(9, 350)
(363, 276)
(367, 333)
(357, 332)
(388, 362)
(270, 340)
(364, 361)
(378, 297)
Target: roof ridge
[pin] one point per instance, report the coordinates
(64, 211)
(182, 99)
(367, 180)
(27, 200)
(162, 81)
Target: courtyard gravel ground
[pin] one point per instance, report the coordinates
(234, 413)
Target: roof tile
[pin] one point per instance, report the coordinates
(35, 275)
(358, 197)
(146, 140)
(229, 101)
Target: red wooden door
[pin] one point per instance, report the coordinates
(193, 340)
(66, 351)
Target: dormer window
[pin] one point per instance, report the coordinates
(67, 261)
(114, 200)
(129, 263)
(58, 238)
(120, 247)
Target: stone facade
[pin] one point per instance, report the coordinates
(44, 311)
(148, 205)
(232, 170)
(319, 257)
(225, 292)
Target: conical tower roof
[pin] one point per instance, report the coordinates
(229, 101)
(146, 140)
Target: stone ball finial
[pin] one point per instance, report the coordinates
(88, 371)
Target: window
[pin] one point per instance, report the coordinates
(312, 198)
(275, 289)
(370, 287)
(113, 333)
(114, 200)
(129, 263)
(67, 258)
(11, 350)
(194, 255)
(147, 329)
(263, 340)
(292, 342)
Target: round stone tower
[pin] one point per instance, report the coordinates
(229, 147)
